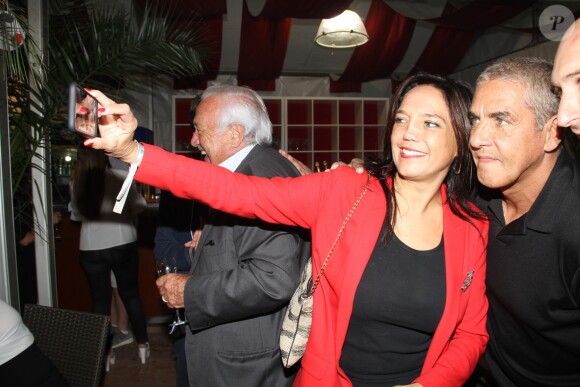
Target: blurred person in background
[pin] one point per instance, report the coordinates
(179, 223)
(22, 364)
(108, 241)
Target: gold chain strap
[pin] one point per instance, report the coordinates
(348, 216)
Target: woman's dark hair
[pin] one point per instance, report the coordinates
(89, 181)
(460, 179)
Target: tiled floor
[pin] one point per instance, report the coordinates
(159, 371)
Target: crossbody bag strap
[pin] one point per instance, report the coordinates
(348, 216)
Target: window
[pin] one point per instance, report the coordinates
(316, 131)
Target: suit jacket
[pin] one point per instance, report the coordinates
(243, 275)
(320, 202)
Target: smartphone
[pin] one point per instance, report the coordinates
(82, 112)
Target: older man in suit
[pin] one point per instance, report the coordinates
(244, 271)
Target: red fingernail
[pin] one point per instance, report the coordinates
(86, 89)
(101, 110)
(89, 143)
(83, 109)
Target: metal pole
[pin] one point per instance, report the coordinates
(8, 269)
(42, 194)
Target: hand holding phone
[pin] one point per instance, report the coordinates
(82, 112)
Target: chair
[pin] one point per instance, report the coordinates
(74, 341)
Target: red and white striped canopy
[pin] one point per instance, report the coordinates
(257, 41)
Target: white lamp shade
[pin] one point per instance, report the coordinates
(343, 31)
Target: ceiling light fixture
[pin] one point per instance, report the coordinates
(343, 31)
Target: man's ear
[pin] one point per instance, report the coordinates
(236, 135)
(553, 134)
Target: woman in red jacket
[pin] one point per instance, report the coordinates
(402, 301)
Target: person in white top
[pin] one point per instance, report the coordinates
(19, 355)
(108, 240)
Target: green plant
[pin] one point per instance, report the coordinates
(111, 50)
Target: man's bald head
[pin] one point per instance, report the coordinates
(566, 78)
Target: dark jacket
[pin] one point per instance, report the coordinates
(244, 273)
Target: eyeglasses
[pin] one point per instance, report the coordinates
(196, 128)
(199, 129)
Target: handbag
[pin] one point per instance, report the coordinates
(298, 318)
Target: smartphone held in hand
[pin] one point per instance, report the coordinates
(82, 112)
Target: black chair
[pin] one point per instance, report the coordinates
(75, 342)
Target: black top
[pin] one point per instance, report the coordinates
(397, 307)
(177, 220)
(533, 285)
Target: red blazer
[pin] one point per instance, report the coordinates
(320, 202)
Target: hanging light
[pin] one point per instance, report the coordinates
(343, 31)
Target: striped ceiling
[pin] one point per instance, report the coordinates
(258, 41)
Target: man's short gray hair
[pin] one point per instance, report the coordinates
(535, 75)
(242, 105)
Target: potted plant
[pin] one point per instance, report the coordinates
(112, 50)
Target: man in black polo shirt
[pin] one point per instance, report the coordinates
(533, 202)
(532, 197)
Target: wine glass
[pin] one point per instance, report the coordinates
(163, 267)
